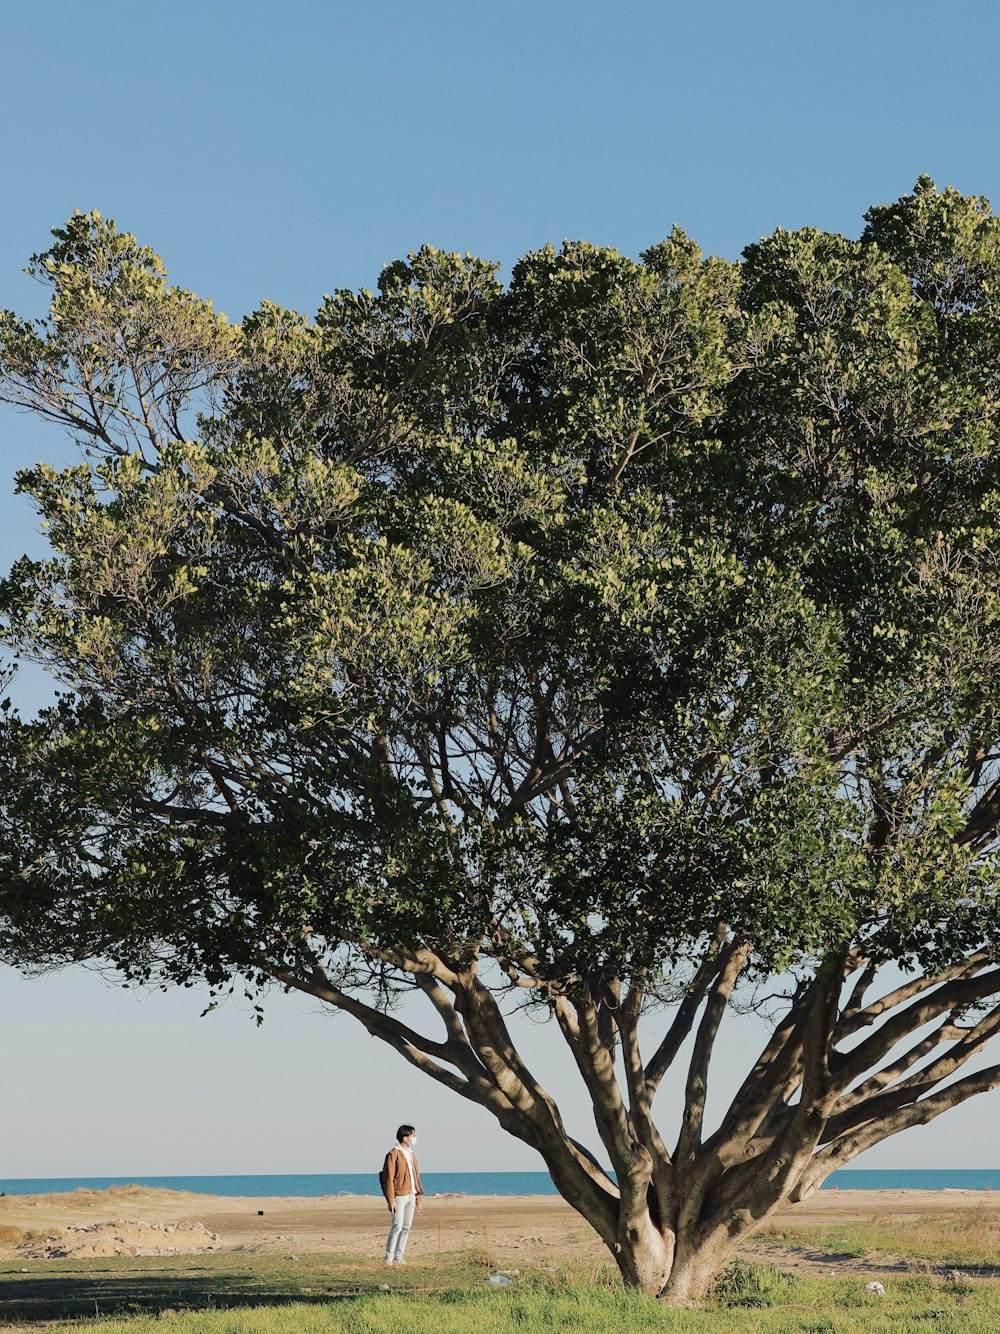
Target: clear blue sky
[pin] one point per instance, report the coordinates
(281, 150)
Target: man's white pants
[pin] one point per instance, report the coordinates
(399, 1233)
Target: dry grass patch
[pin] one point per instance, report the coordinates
(17, 1236)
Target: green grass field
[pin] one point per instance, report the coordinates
(264, 1294)
(969, 1239)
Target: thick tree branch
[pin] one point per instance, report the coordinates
(578, 1021)
(962, 991)
(733, 961)
(886, 1090)
(856, 1016)
(911, 1113)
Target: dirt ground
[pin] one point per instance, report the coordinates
(509, 1229)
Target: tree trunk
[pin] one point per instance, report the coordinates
(694, 1270)
(677, 1267)
(678, 1259)
(644, 1256)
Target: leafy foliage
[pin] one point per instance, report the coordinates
(642, 593)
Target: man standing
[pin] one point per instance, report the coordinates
(400, 1181)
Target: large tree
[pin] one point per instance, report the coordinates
(623, 641)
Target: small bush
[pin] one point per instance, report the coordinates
(15, 1236)
(742, 1284)
(480, 1258)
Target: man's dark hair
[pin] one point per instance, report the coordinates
(403, 1131)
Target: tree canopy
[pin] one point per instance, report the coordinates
(617, 638)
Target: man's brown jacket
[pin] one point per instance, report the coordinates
(395, 1175)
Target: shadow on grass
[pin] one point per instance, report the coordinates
(42, 1295)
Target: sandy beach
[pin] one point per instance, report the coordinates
(510, 1229)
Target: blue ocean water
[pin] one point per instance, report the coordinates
(461, 1183)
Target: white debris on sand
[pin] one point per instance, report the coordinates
(124, 1236)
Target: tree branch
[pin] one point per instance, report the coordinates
(952, 995)
(734, 958)
(918, 1113)
(680, 1027)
